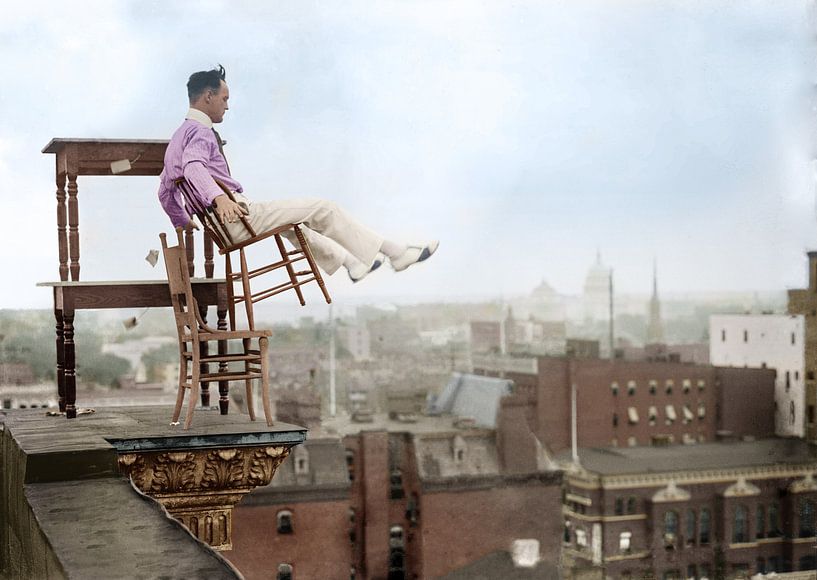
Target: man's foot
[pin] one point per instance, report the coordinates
(359, 270)
(414, 254)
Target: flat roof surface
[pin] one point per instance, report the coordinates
(717, 455)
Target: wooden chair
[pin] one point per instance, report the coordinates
(192, 331)
(217, 231)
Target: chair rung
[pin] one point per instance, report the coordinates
(227, 357)
(229, 376)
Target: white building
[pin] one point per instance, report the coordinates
(773, 341)
(357, 340)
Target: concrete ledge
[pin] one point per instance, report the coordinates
(137, 540)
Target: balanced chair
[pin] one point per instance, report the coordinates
(194, 367)
(227, 245)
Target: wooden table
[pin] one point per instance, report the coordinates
(75, 157)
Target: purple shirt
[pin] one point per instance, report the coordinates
(193, 154)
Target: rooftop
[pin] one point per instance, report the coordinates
(631, 460)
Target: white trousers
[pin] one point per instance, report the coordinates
(329, 229)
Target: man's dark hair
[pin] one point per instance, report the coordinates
(205, 80)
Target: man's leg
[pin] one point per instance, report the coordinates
(325, 218)
(328, 255)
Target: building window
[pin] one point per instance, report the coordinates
(760, 522)
(396, 485)
(810, 375)
(653, 387)
(740, 525)
(566, 534)
(632, 415)
(689, 416)
(774, 564)
(723, 335)
(581, 538)
(704, 527)
(350, 464)
(671, 416)
(624, 539)
(459, 448)
(619, 506)
(745, 336)
(774, 521)
(284, 572)
(301, 457)
(808, 562)
(793, 338)
(671, 575)
(285, 522)
(652, 413)
(701, 411)
(791, 412)
(631, 388)
(614, 388)
(632, 505)
(703, 572)
(796, 375)
(690, 535)
(632, 441)
(670, 529)
(668, 386)
(788, 381)
(686, 386)
(761, 566)
(692, 572)
(810, 413)
(701, 385)
(615, 419)
(806, 518)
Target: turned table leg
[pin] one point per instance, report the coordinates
(204, 350)
(60, 357)
(223, 367)
(69, 362)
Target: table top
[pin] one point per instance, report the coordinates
(80, 283)
(58, 143)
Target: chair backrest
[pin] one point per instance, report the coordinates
(207, 217)
(181, 291)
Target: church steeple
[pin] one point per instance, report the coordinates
(655, 329)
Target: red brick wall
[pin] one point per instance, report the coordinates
(318, 548)
(460, 527)
(374, 471)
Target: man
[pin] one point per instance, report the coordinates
(195, 153)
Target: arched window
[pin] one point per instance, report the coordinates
(690, 533)
(760, 522)
(774, 521)
(806, 518)
(670, 528)
(619, 506)
(285, 526)
(631, 505)
(396, 539)
(284, 572)
(704, 527)
(740, 525)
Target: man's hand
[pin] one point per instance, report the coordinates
(226, 209)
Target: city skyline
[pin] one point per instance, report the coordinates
(525, 137)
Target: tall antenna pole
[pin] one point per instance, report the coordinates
(612, 320)
(332, 401)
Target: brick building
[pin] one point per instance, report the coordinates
(630, 403)
(418, 500)
(804, 302)
(716, 510)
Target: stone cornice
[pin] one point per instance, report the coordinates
(627, 481)
(631, 556)
(200, 487)
(600, 518)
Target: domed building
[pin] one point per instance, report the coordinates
(596, 295)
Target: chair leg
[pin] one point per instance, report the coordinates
(313, 266)
(194, 395)
(228, 267)
(293, 279)
(245, 284)
(263, 344)
(248, 382)
(180, 396)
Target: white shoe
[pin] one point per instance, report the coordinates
(414, 254)
(359, 271)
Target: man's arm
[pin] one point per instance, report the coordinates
(195, 160)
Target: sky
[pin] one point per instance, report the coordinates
(525, 136)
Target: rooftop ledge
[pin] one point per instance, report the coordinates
(69, 509)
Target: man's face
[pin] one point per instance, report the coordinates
(215, 103)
